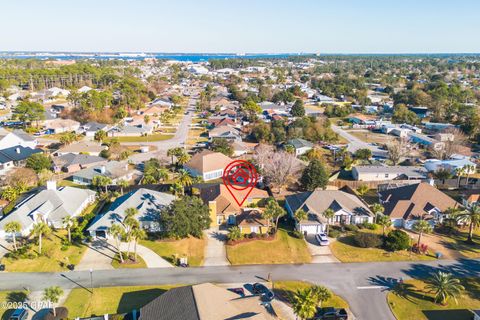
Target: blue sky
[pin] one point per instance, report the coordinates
(323, 26)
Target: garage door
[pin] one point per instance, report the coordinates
(311, 229)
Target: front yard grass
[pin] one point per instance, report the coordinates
(148, 138)
(413, 302)
(111, 300)
(345, 250)
(192, 248)
(284, 249)
(457, 242)
(286, 290)
(53, 258)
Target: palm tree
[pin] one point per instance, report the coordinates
(300, 215)
(384, 221)
(176, 189)
(329, 214)
(459, 172)
(40, 229)
(130, 223)
(68, 223)
(444, 286)
(421, 226)
(117, 232)
(184, 178)
(122, 184)
(52, 295)
(470, 216)
(13, 227)
(362, 190)
(321, 294)
(377, 209)
(138, 234)
(183, 158)
(304, 303)
(469, 168)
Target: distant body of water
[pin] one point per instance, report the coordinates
(193, 57)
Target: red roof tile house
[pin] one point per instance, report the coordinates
(407, 204)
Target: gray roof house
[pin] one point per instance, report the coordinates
(91, 128)
(72, 162)
(50, 205)
(348, 208)
(130, 130)
(115, 170)
(15, 156)
(383, 173)
(149, 203)
(301, 146)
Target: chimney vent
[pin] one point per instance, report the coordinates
(51, 185)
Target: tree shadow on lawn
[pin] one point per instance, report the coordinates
(463, 268)
(400, 289)
(458, 243)
(137, 299)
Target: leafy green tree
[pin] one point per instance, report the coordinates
(68, 138)
(52, 295)
(38, 162)
(184, 178)
(100, 135)
(377, 209)
(29, 111)
(251, 109)
(304, 303)
(39, 230)
(329, 214)
(177, 189)
(184, 217)
(223, 146)
(10, 193)
(401, 114)
(363, 154)
(421, 226)
(298, 110)
(444, 286)
(300, 215)
(13, 227)
(397, 240)
(314, 176)
(470, 216)
(362, 190)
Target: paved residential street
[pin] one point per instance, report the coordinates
(355, 143)
(363, 285)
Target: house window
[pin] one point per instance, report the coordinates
(254, 229)
(386, 175)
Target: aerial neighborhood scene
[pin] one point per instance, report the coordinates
(274, 160)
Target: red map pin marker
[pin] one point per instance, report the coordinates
(240, 177)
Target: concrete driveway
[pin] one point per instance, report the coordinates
(320, 254)
(215, 252)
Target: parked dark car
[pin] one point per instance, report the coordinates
(331, 313)
(262, 290)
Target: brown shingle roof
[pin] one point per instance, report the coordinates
(251, 218)
(414, 201)
(207, 161)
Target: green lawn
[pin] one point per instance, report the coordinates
(129, 264)
(345, 250)
(457, 242)
(148, 138)
(284, 249)
(8, 297)
(192, 248)
(414, 303)
(111, 300)
(286, 290)
(52, 258)
(70, 183)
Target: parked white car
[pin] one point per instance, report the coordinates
(322, 239)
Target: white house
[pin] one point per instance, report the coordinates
(382, 173)
(207, 164)
(16, 138)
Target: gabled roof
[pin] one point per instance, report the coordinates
(113, 170)
(23, 135)
(414, 201)
(316, 202)
(17, 153)
(148, 202)
(82, 146)
(70, 159)
(207, 161)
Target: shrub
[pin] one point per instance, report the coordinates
(253, 235)
(369, 226)
(334, 233)
(397, 240)
(351, 227)
(234, 233)
(297, 234)
(367, 240)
